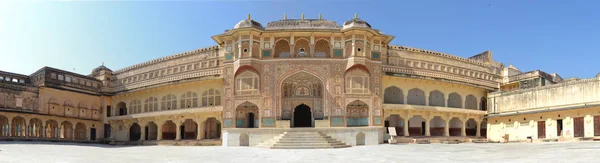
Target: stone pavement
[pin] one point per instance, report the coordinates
(15, 152)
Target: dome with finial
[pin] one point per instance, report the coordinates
(96, 71)
(356, 23)
(248, 23)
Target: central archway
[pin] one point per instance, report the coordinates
(302, 116)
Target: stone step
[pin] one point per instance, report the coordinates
(302, 140)
(306, 147)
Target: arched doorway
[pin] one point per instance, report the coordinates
(135, 132)
(302, 93)
(66, 130)
(80, 131)
(189, 130)
(471, 127)
(247, 115)
(456, 127)
(244, 139)
(4, 126)
(416, 126)
(151, 131)
(35, 126)
(18, 127)
(302, 116)
(169, 130)
(212, 129)
(360, 139)
(437, 126)
(397, 122)
(52, 129)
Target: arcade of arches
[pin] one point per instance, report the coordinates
(48, 127)
(182, 128)
(436, 124)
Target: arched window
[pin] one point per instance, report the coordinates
(471, 102)
(483, 104)
(151, 104)
(211, 97)
(454, 100)
(189, 100)
(393, 95)
(436, 98)
(357, 82)
(246, 83)
(169, 102)
(282, 49)
(416, 97)
(322, 49)
(135, 106)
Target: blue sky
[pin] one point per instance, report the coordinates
(554, 36)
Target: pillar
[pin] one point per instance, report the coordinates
(463, 128)
(426, 99)
(447, 127)
(177, 131)
(200, 123)
(43, 130)
(353, 53)
(143, 132)
(427, 126)
(159, 130)
(478, 132)
(406, 126)
(9, 128)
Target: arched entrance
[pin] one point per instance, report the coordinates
(169, 130)
(66, 130)
(80, 131)
(302, 95)
(302, 116)
(247, 115)
(18, 127)
(35, 126)
(212, 129)
(4, 126)
(135, 132)
(151, 131)
(189, 130)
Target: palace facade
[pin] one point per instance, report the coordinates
(294, 79)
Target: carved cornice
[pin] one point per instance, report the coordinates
(429, 52)
(179, 55)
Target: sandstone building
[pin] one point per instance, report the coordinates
(345, 83)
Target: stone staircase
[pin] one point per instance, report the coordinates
(302, 140)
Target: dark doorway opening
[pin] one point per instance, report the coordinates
(107, 130)
(541, 129)
(146, 131)
(578, 129)
(559, 127)
(135, 132)
(182, 131)
(422, 128)
(302, 116)
(250, 120)
(93, 134)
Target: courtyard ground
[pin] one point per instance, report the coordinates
(13, 152)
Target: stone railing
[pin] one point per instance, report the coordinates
(566, 93)
(429, 52)
(489, 84)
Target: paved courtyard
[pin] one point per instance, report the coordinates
(78, 153)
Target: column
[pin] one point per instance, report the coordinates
(426, 99)
(312, 45)
(43, 130)
(292, 47)
(427, 124)
(9, 128)
(73, 132)
(251, 45)
(353, 53)
(143, 131)
(463, 128)
(478, 132)
(177, 131)
(447, 127)
(331, 46)
(261, 46)
(159, 130)
(200, 129)
(406, 126)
